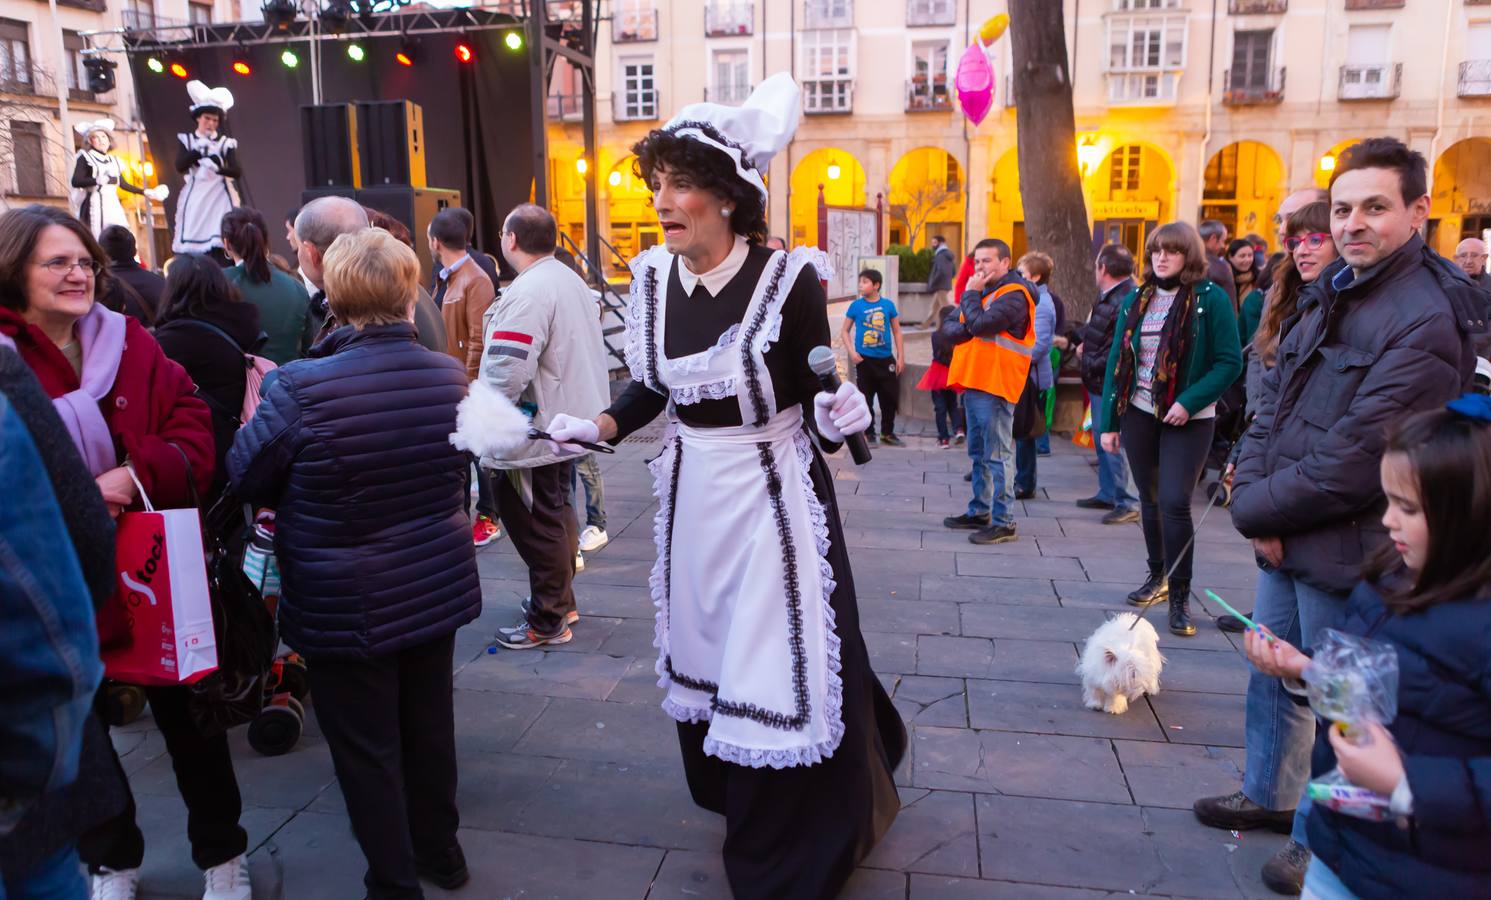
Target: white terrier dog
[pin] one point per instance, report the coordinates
(1119, 664)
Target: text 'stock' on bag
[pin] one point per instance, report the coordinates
(161, 587)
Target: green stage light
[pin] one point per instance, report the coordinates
(356, 53)
(155, 65)
(289, 59)
(514, 40)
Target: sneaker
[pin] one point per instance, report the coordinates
(593, 538)
(1025, 495)
(229, 881)
(1285, 873)
(1235, 812)
(523, 636)
(967, 476)
(526, 606)
(1094, 503)
(891, 440)
(871, 439)
(998, 534)
(449, 872)
(1121, 517)
(579, 561)
(966, 522)
(484, 531)
(1231, 623)
(943, 443)
(959, 439)
(111, 885)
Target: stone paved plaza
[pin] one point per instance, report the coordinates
(570, 781)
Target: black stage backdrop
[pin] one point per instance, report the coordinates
(478, 128)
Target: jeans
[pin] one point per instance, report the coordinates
(1281, 733)
(1323, 884)
(57, 878)
(991, 422)
(1167, 461)
(876, 377)
(1113, 469)
(949, 415)
(588, 472)
(390, 725)
(1026, 451)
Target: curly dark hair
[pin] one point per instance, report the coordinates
(710, 169)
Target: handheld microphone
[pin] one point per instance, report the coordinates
(821, 360)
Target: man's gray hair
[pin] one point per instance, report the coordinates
(1211, 228)
(325, 219)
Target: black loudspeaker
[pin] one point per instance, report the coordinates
(392, 136)
(329, 133)
(415, 207)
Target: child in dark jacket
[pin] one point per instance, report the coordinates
(1429, 597)
(944, 399)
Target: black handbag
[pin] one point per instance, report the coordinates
(1030, 412)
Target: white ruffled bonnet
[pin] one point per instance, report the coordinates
(750, 134)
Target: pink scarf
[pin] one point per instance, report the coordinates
(102, 334)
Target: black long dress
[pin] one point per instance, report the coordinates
(795, 832)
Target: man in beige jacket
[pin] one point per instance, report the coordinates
(543, 350)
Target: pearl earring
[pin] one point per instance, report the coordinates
(725, 211)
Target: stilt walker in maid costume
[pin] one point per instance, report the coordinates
(98, 176)
(784, 728)
(207, 159)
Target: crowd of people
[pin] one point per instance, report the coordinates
(328, 392)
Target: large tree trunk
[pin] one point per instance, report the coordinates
(1050, 185)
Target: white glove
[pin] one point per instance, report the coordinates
(207, 162)
(841, 413)
(159, 193)
(565, 427)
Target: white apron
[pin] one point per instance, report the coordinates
(99, 206)
(206, 196)
(745, 631)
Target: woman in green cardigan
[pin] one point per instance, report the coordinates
(1175, 350)
(1245, 270)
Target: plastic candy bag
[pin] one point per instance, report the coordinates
(1351, 680)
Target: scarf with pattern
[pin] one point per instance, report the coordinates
(1174, 342)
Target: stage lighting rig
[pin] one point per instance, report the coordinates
(335, 15)
(356, 53)
(407, 52)
(464, 53)
(242, 68)
(513, 40)
(100, 73)
(154, 64)
(280, 14)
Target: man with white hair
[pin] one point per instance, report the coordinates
(1470, 256)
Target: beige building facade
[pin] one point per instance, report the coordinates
(1180, 113)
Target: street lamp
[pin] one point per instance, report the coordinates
(1089, 153)
(834, 171)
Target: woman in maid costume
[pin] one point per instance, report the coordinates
(98, 176)
(207, 160)
(783, 727)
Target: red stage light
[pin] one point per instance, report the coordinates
(178, 70)
(403, 58)
(463, 53)
(242, 68)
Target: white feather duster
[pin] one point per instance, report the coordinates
(488, 424)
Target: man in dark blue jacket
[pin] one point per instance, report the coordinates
(1115, 276)
(1383, 332)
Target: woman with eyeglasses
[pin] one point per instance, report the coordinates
(1309, 249)
(129, 409)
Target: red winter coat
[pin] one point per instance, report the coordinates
(965, 272)
(151, 406)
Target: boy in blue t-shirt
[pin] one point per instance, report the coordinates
(877, 369)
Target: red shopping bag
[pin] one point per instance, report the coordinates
(161, 587)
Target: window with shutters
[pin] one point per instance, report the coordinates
(1368, 73)
(139, 15)
(827, 70)
(729, 75)
(15, 57)
(1475, 69)
(927, 88)
(1146, 54)
(639, 96)
(1252, 78)
(77, 76)
(28, 158)
(1125, 171)
(199, 13)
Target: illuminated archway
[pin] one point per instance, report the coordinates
(1242, 187)
(926, 198)
(1006, 208)
(632, 225)
(1325, 163)
(843, 180)
(1129, 194)
(1460, 194)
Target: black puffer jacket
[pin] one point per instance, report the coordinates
(1097, 335)
(351, 447)
(1443, 728)
(1395, 341)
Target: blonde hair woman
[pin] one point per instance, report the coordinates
(350, 448)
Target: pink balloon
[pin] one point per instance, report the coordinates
(975, 83)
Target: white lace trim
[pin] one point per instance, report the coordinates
(689, 394)
(657, 581)
(698, 362)
(635, 349)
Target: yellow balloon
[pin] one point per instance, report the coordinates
(990, 31)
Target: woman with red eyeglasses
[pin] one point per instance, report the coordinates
(1309, 250)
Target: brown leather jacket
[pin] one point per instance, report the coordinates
(468, 293)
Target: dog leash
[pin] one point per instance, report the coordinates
(1144, 611)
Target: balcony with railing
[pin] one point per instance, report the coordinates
(95, 5)
(930, 12)
(828, 96)
(821, 14)
(1475, 78)
(1374, 4)
(635, 106)
(725, 18)
(728, 94)
(21, 79)
(1377, 81)
(1253, 92)
(633, 24)
(565, 107)
(923, 95)
(1142, 87)
(1256, 7)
